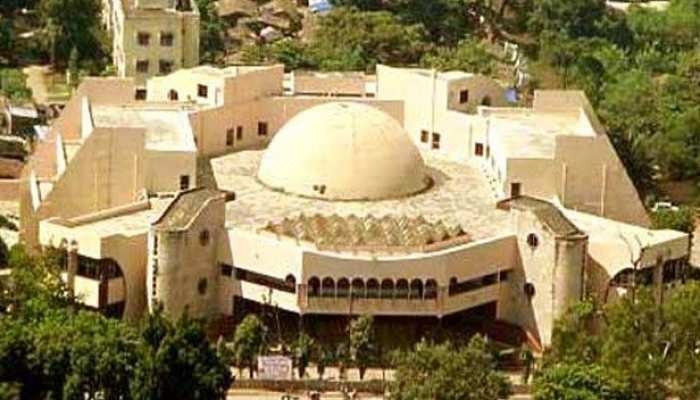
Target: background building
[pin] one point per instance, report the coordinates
(152, 37)
(426, 204)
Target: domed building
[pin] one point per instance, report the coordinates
(344, 151)
(427, 204)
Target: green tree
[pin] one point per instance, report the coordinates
(324, 357)
(73, 24)
(361, 343)
(211, 32)
(572, 340)
(445, 372)
(13, 84)
(683, 333)
(348, 39)
(573, 18)
(365, 5)
(303, 350)
(248, 342)
(469, 55)
(177, 361)
(446, 22)
(682, 219)
(579, 381)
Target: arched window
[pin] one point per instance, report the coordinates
(328, 287)
(314, 286)
(430, 289)
(402, 289)
(486, 101)
(372, 288)
(416, 289)
(358, 288)
(533, 241)
(453, 285)
(387, 289)
(343, 289)
(290, 281)
(172, 95)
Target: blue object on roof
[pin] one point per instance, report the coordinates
(512, 95)
(319, 6)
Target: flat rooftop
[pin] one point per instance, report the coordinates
(524, 133)
(460, 196)
(167, 128)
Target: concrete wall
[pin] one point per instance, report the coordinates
(184, 53)
(594, 180)
(211, 125)
(187, 276)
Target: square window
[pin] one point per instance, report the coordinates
(424, 136)
(226, 270)
(229, 137)
(144, 38)
(239, 133)
(165, 66)
(142, 66)
(184, 182)
(436, 141)
(202, 91)
(262, 128)
(463, 96)
(479, 149)
(140, 94)
(166, 39)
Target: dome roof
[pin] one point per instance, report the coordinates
(343, 151)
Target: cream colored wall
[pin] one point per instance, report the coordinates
(96, 179)
(593, 179)
(253, 84)
(344, 84)
(186, 82)
(184, 261)
(538, 264)
(99, 91)
(480, 87)
(162, 170)
(184, 52)
(210, 126)
(538, 177)
(130, 253)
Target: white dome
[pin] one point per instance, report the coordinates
(343, 151)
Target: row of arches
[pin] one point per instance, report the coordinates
(416, 289)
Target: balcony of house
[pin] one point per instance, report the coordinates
(98, 284)
(414, 297)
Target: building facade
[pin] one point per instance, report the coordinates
(429, 198)
(152, 37)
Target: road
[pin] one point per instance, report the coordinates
(261, 395)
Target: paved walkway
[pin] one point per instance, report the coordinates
(36, 80)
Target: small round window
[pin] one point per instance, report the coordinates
(204, 237)
(532, 240)
(529, 290)
(202, 286)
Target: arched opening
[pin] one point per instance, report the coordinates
(372, 288)
(343, 289)
(387, 289)
(314, 287)
(358, 288)
(402, 289)
(173, 95)
(430, 289)
(328, 287)
(533, 241)
(291, 281)
(416, 289)
(453, 285)
(486, 101)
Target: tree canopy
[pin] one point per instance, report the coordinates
(446, 372)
